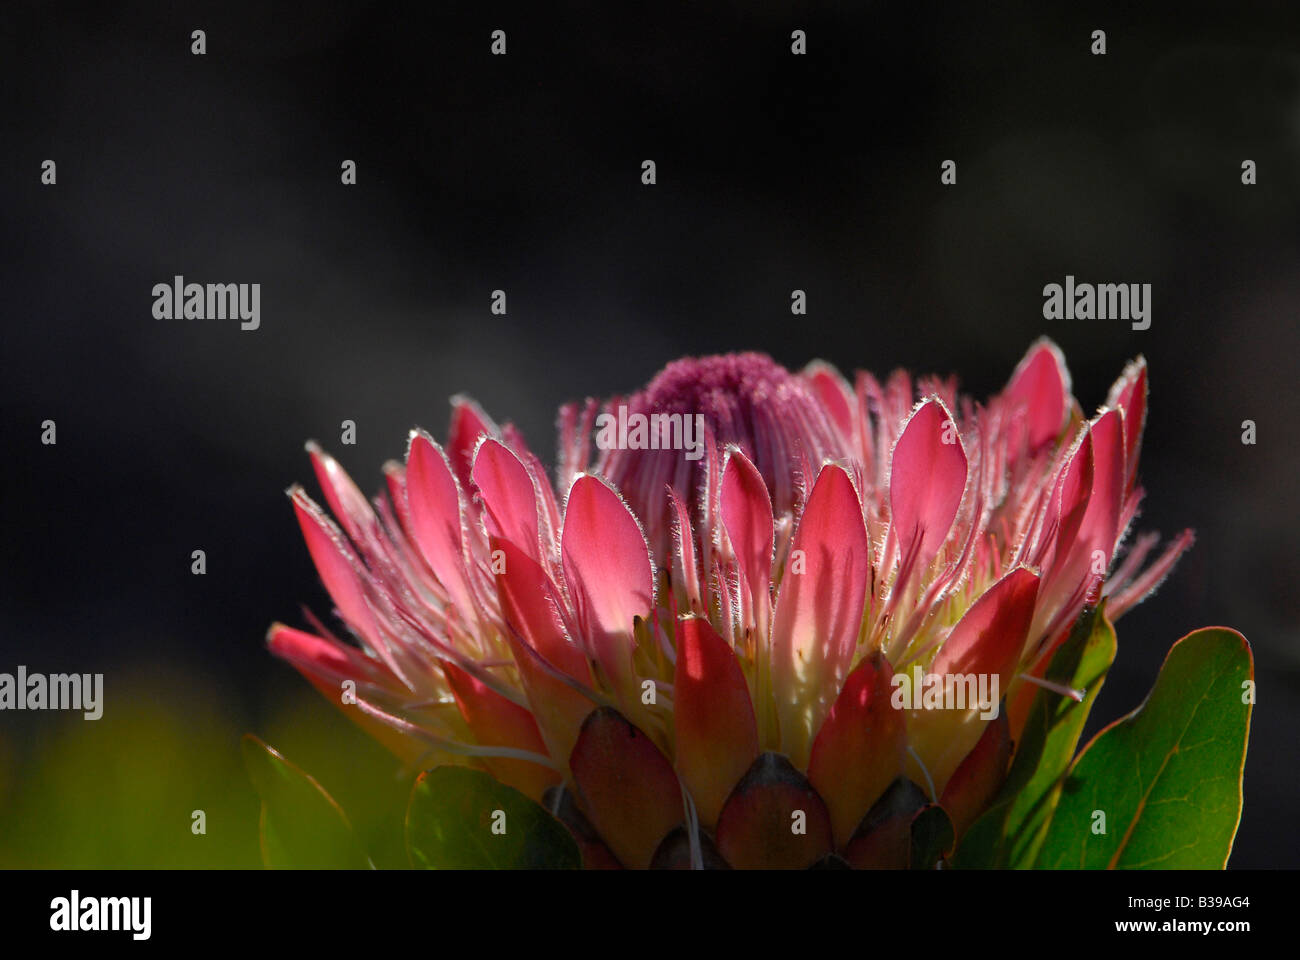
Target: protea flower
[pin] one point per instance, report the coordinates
(699, 659)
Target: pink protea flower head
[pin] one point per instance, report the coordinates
(675, 653)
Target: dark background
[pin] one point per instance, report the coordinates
(522, 172)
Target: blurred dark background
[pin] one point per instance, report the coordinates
(522, 172)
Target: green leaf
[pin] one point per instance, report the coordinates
(932, 837)
(301, 825)
(1010, 833)
(1167, 776)
(463, 819)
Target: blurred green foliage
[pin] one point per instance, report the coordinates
(121, 791)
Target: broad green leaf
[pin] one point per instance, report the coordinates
(1010, 833)
(463, 819)
(1168, 776)
(932, 837)
(301, 826)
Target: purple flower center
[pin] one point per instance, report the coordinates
(745, 399)
(725, 388)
